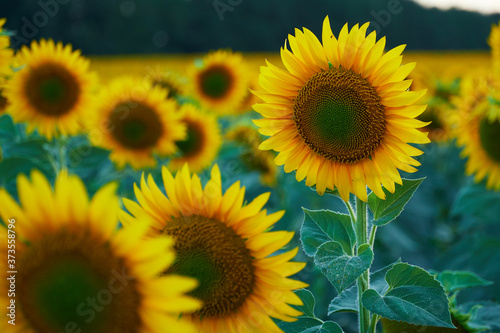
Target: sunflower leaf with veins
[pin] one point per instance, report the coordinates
(322, 226)
(385, 211)
(414, 296)
(341, 269)
(308, 322)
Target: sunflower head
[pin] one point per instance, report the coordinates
(340, 113)
(170, 82)
(436, 116)
(6, 53)
(3, 99)
(220, 81)
(250, 99)
(225, 245)
(135, 120)
(76, 271)
(202, 142)
(53, 91)
(494, 42)
(252, 157)
(477, 129)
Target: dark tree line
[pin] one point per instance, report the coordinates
(172, 26)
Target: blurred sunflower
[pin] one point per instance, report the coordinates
(202, 142)
(135, 120)
(77, 272)
(170, 82)
(6, 53)
(3, 100)
(341, 114)
(226, 246)
(253, 157)
(54, 90)
(250, 99)
(438, 128)
(494, 42)
(220, 81)
(477, 128)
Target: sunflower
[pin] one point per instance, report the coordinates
(170, 82)
(494, 42)
(74, 271)
(202, 143)
(255, 159)
(250, 99)
(477, 128)
(54, 91)
(340, 114)
(3, 101)
(6, 52)
(135, 120)
(226, 246)
(437, 115)
(220, 81)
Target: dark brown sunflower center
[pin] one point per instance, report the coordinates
(489, 134)
(172, 90)
(215, 82)
(431, 115)
(339, 116)
(193, 142)
(135, 126)
(52, 90)
(69, 282)
(3, 102)
(212, 253)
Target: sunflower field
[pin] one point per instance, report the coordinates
(333, 185)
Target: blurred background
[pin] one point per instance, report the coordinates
(186, 26)
(441, 228)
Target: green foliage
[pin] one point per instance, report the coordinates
(308, 322)
(322, 226)
(341, 269)
(348, 299)
(475, 200)
(482, 316)
(385, 211)
(457, 280)
(414, 296)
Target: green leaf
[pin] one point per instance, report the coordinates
(341, 269)
(309, 325)
(414, 296)
(308, 322)
(321, 226)
(385, 211)
(309, 302)
(475, 200)
(7, 129)
(31, 148)
(457, 280)
(482, 316)
(348, 299)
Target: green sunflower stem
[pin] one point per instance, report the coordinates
(373, 324)
(360, 226)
